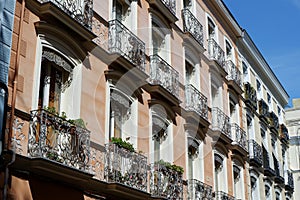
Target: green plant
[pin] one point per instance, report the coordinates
(123, 144)
(63, 115)
(78, 122)
(168, 165)
(51, 110)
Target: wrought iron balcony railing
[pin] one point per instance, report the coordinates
(289, 180)
(165, 183)
(170, 4)
(239, 136)
(284, 133)
(196, 101)
(192, 25)
(79, 10)
(263, 109)
(54, 138)
(199, 190)
(122, 41)
(161, 73)
(234, 73)
(216, 53)
(273, 121)
(278, 176)
(250, 95)
(125, 167)
(221, 122)
(255, 153)
(223, 196)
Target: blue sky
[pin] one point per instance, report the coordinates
(274, 26)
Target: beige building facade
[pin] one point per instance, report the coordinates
(293, 125)
(141, 99)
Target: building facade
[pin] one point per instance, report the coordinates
(293, 125)
(148, 99)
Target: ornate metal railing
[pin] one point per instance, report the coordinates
(165, 182)
(121, 40)
(250, 95)
(289, 181)
(192, 26)
(170, 4)
(284, 133)
(54, 138)
(234, 73)
(216, 53)
(263, 109)
(125, 167)
(278, 177)
(196, 101)
(161, 73)
(273, 121)
(239, 136)
(223, 196)
(221, 122)
(255, 152)
(199, 190)
(80, 10)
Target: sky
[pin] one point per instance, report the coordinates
(274, 26)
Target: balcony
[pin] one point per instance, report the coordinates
(76, 15)
(268, 170)
(289, 181)
(165, 182)
(165, 78)
(192, 27)
(284, 133)
(263, 110)
(255, 153)
(199, 190)
(123, 42)
(234, 76)
(221, 124)
(166, 7)
(273, 122)
(239, 137)
(125, 167)
(223, 196)
(54, 138)
(216, 54)
(250, 96)
(196, 102)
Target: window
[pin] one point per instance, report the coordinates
(160, 41)
(193, 161)
(250, 127)
(238, 181)
(254, 178)
(229, 51)
(234, 110)
(161, 135)
(187, 4)
(269, 98)
(55, 78)
(267, 192)
(277, 194)
(245, 72)
(259, 90)
(120, 114)
(212, 33)
(220, 173)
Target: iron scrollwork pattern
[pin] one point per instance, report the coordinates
(224, 196)
(196, 101)
(255, 152)
(234, 73)
(192, 26)
(239, 136)
(80, 10)
(52, 137)
(171, 5)
(221, 122)
(161, 73)
(121, 40)
(125, 167)
(216, 53)
(198, 190)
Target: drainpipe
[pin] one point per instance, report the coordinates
(13, 102)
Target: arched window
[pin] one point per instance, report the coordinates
(220, 182)
(238, 180)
